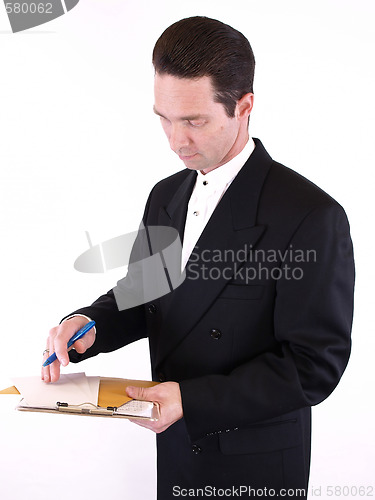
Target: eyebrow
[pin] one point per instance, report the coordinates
(183, 118)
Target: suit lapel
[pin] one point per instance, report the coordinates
(174, 214)
(232, 226)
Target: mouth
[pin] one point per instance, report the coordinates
(187, 157)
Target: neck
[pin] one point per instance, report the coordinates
(240, 142)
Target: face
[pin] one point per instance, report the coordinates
(198, 128)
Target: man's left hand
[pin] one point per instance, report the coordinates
(168, 396)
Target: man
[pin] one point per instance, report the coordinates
(259, 331)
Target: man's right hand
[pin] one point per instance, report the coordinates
(57, 341)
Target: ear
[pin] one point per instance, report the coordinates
(244, 106)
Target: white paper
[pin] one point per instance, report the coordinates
(73, 388)
(94, 388)
(136, 408)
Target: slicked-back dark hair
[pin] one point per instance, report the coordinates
(199, 46)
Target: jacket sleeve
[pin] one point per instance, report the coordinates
(312, 325)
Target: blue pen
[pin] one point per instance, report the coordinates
(78, 335)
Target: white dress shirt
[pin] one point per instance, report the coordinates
(208, 191)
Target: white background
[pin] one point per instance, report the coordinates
(80, 151)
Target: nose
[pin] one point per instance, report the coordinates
(178, 137)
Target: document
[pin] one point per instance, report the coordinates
(74, 388)
(76, 393)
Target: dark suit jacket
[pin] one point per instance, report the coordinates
(257, 333)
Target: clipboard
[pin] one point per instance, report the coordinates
(112, 402)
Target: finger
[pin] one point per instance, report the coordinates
(61, 346)
(50, 373)
(140, 393)
(156, 427)
(46, 376)
(143, 423)
(54, 368)
(45, 370)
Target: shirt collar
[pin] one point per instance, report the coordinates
(221, 177)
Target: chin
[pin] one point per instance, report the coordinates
(193, 167)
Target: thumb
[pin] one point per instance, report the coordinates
(140, 393)
(85, 342)
(79, 346)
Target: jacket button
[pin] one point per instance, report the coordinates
(161, 377)
(215, 334)
(152, 308)
(196, 449)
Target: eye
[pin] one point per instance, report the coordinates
(197, 123)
